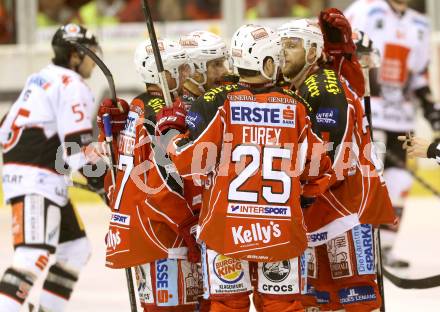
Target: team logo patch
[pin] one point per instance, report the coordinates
(322, 297)
(357, 294)
(149, 48)
(71, 31)
(228, 270)
(327, 117)
(259, 210)
(193, 120)
(276, 271)
(363, 246)
(339, 257)
(237, 52)
(263, 114)
(259, 33)
(188, 42)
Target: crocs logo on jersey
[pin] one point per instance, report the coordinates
(327, 117)
(255, 114)
(112, 239)
(228, 270)
(276, 271)
(257, 233)
(259, 34)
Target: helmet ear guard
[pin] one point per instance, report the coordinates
(202, 47)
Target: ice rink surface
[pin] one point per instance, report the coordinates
(102, 289)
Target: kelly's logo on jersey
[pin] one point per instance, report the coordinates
(256, 233)
(262, 114)
(259, 210)
(228, 270)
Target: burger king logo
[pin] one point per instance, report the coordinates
(228, 270)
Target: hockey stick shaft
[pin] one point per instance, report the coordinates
(156, 52)
(406, 283)
(399, 163)
(106, 119)
(379, 269)
(109, 137)
(107, 73)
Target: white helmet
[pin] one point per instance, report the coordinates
(173, 56)
(307, 30)
(251, 44)
(202, 47)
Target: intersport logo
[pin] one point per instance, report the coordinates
(256, 233)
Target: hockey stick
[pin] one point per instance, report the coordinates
(397, 162)
(367, 104)
(106, 119)
(406, 283)
(107, 73)
(157, 57)
(109, 138)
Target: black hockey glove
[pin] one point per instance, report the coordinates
(306, 202)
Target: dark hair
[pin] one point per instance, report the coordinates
(251, 73)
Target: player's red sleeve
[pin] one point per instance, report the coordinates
(198, 157)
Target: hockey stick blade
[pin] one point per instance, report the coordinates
(156, 53)
(107, 73)
(406, 283)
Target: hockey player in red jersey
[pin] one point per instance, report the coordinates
(253, 143)
(151, 219)
(402, 36)
(53, 114)
(341, 260)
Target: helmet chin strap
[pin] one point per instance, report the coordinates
(274, 75)
(200, 85)
(297, 80)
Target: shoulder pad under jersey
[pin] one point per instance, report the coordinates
(219, 93)
(300, 99)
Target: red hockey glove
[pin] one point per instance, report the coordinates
(187, 230)
(118, 117)
(336, 30)
(340, 48)
(171, 118)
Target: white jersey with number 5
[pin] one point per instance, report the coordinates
(403, 42)
(55, 104)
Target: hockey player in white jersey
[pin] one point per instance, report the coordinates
(51, 117)
(402, 37)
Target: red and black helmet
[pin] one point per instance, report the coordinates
(62, 42)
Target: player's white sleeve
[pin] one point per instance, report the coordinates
(357, 15)
(74, 121)
(422, 58)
